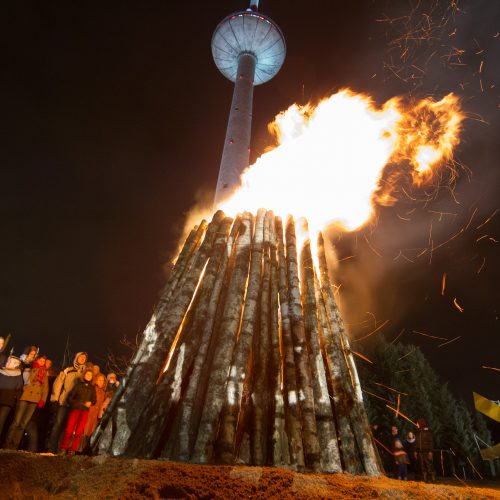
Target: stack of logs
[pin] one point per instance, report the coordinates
(245, 360)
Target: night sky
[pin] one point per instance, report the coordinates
(114, 116)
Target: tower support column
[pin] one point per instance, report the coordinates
(236, 153)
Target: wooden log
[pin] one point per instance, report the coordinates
(178, 279)
(168, 392)
(359, 419)
(238, 368)
(341, 398)
(215, 396)
(192, 242)
(325, 423)
(181, 443)
(260, 393)
(292, 413)
(303, 370)
(146, 373)
(279, 437)
(149, 338)
(339, 376)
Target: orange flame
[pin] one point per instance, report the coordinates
(330, 158)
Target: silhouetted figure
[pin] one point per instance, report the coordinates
(424, 449)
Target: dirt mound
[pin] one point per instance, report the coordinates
(26, 475)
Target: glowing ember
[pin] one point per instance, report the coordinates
(330, 158)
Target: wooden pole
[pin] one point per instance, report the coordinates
(192, 242)
(168, 392)
(359, 420)
(240, 358)
(293, 416)
(327, 434)
(103, 436)
(238, 367)
(279, 438)
(303, 370)
(260, 393)
(140, 386)
(183, 441)
(204, 445)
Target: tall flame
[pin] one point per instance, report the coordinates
(330, 158)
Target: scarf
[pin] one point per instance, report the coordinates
(40, 373)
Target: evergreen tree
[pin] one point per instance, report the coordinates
(402, 372)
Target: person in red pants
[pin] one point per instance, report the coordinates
(80, 399)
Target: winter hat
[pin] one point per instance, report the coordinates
(421, 423)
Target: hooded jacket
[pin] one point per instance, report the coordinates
(65, 381)
(11, 386)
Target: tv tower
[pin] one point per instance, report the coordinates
(249, 49)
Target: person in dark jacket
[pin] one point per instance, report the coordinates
(111, 388)
(95, 411)
(410, 444)
(424, 448)
(34, 394)
(11, 387)
(80, 399)
(63, 385)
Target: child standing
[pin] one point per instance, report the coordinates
(401, 460)
(80, 399)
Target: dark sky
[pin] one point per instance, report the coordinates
(113, 119)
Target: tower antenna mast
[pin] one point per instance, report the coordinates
(248, 49)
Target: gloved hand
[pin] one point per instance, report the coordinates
(41, 403)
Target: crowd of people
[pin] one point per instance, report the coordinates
(412, 454)
(43, 410)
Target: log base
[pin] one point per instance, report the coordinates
(245, 360)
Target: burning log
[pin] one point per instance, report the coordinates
(306, 395)
(342, 400)
(260, 394)
(327, 434)
(150, 334)
(339, 348)
(183, 441)
(168, 392)
(239, 358)
(293, 416)
(238, 370)
(214, 401)
(138, 389)
(191, 244)
(280, 451)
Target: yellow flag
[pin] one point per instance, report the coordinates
(487, 407)
(490, 453)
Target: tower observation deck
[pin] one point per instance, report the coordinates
(248, 49)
